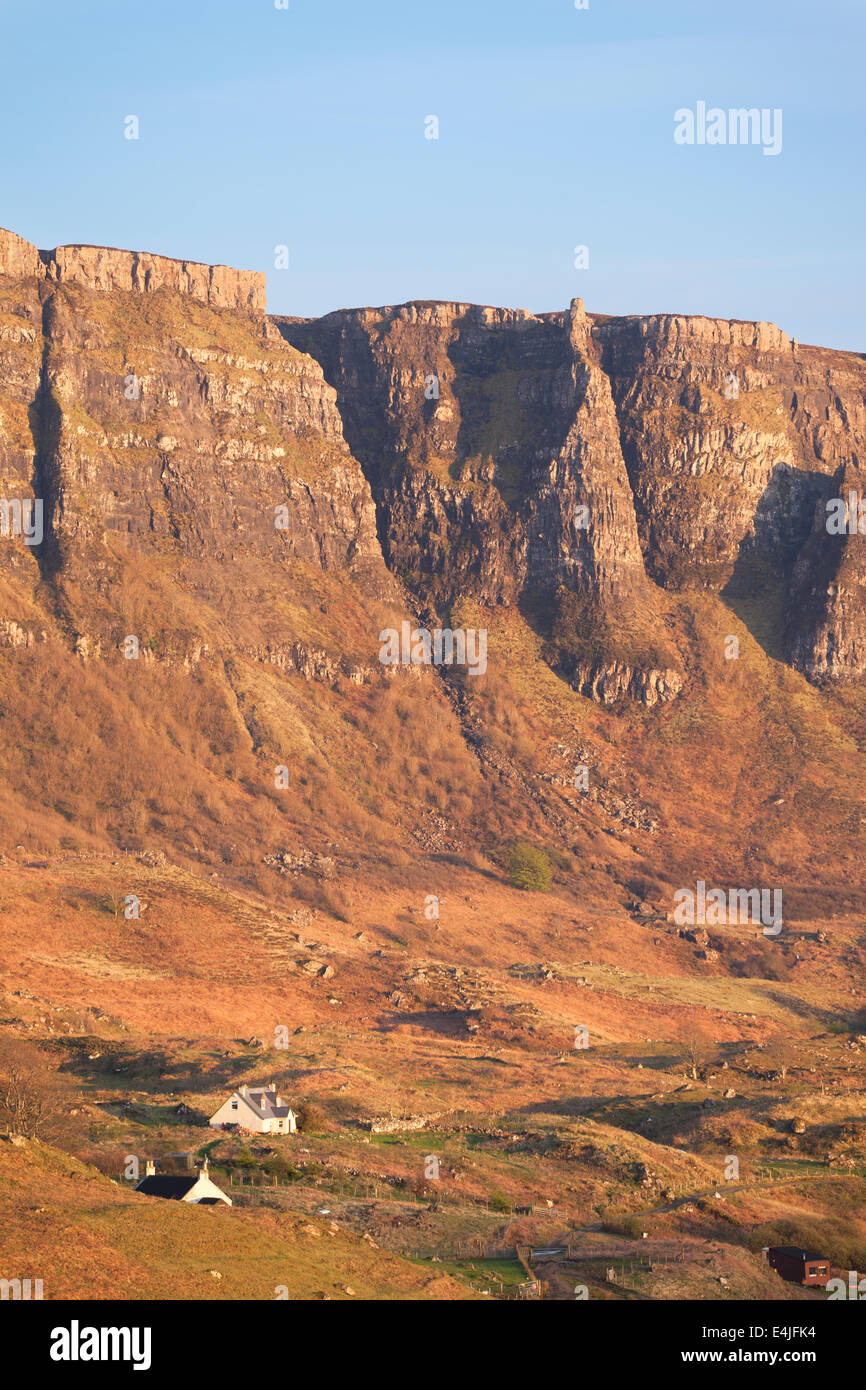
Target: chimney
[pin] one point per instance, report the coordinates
(149, 1169)
(243, 1089)
(205, 1167)
(272, 1086)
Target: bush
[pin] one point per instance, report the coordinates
(529, 868)
(312, 1117)
(629, 1226)
(276, 1166)
(499, 1203)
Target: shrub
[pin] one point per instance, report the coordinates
(312, 1117)
(277, 1166)
(628, 1226)
(529, 868)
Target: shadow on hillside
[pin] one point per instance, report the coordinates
(758, 589)
(811, 1013)
(120, 1065)
(446, 1022)
(580, 1107)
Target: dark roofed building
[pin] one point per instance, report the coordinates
(799, 1266)
(166, 1185)
(196, 1188)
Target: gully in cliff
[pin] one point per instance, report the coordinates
(441, 647)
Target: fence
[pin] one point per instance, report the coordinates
(370, 1189)
(797, 1171)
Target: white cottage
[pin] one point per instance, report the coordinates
(196, 1188)
(260, 1110)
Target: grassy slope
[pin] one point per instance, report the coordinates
(751, 777)
(85, 1237)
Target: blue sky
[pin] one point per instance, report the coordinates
(304, 127)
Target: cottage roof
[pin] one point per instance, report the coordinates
(167, 1185)
(264, 1102)
(796, 1252)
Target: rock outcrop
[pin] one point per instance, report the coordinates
(826, 632)
(18, 258)
(491, 442)
(109, 270)
(176, 441)
(715, 422)
(580, 466)
(698, 449)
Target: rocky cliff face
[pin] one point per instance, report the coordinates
(826, 634)
(582, 467)
(496, 426)
(491, 442)
(163, 420)
(107, 269)
(699, 450)
(729, 431)
(734, 439)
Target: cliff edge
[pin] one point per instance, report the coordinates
(108, 269)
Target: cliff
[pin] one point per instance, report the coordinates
(491, 443)
(179, 446)
(581, 468)
(235, 506)
(108, 270)
(699, 450)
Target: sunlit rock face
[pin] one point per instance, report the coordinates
(583, 467)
